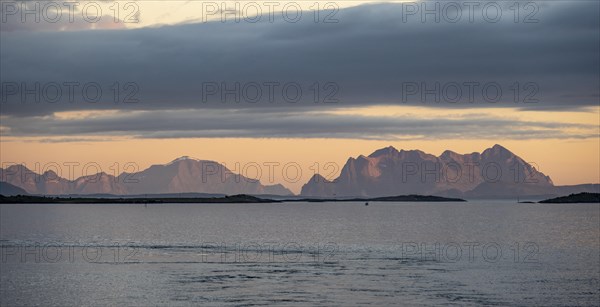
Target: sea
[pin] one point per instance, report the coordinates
(300, 254)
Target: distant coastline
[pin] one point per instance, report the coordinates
(399, 198)
(27, 199)
(242, 198)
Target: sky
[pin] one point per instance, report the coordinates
(299, 83)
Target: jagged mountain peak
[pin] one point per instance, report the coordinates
(449, 153)
(388, 171)
(497, 150)
(183, 158)
(390, 150)
(317, 178)
(18, 167)
(50, 173)
(182, 175)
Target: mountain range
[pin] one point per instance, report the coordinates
(182, 175)
(494, 173)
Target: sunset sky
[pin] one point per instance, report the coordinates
(370, 76)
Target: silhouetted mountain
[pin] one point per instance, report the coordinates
(182, 175)
(494, 173)
(47, 183)
(189, 175)
(98, 183)
(8, 189)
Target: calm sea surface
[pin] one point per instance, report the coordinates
(329, 254)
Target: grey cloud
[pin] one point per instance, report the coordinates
(369, 54)
(228, 123)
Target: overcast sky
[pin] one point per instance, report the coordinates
(466, 77)
(371, 56)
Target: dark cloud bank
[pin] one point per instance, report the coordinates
(367, 58)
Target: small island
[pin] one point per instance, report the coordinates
(574, 198)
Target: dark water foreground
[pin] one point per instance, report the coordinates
(476, 253)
